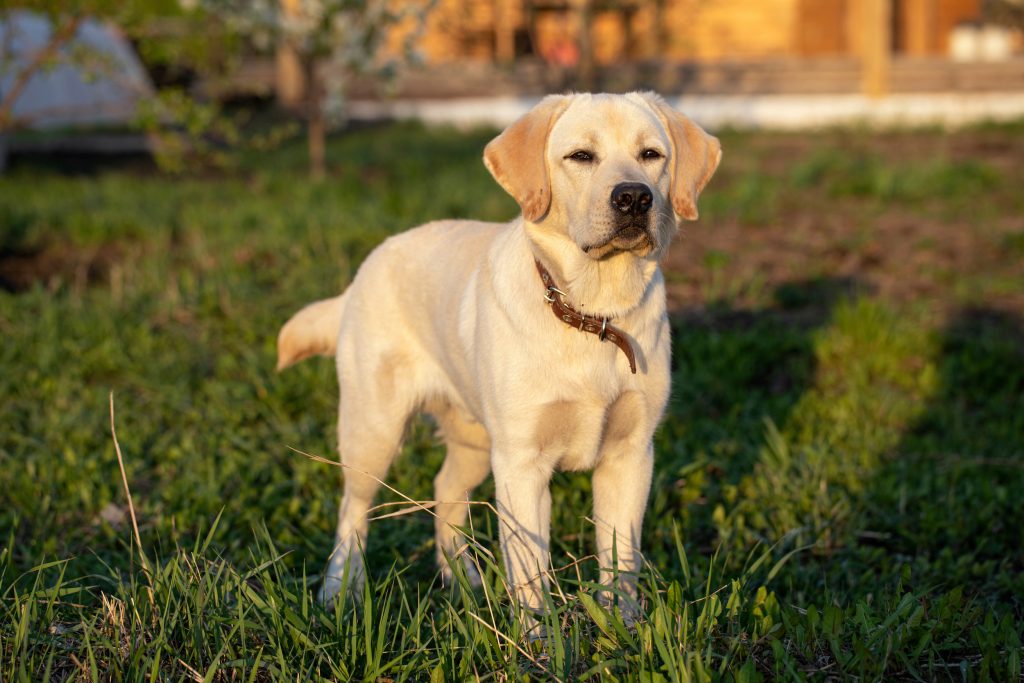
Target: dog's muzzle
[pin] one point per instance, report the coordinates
(631, 217)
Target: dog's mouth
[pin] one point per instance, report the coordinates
(630, 234)
(632, 238)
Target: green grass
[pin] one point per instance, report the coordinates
(838, 480)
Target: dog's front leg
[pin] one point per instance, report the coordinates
(521, 481)
(621, 483)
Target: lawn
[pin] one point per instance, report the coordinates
(839, 476)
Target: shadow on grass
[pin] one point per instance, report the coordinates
(948, 504)
(734, 371)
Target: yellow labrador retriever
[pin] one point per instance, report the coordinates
(538, 344)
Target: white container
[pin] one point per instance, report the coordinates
(964, 43)
(995, 43)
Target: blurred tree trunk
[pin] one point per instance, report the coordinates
(316, 123)
(298, 83)
(290, 86)
(290, 69)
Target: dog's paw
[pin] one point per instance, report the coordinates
(534, 630)
(329, 591)
(345, 572)
(472, 573)
(631, 613)
(333, 588)
(628, 607)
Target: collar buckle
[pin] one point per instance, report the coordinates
(549, 296)
(573, 318)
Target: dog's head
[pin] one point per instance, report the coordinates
(613, 172)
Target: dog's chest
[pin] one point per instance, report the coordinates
(575, 434)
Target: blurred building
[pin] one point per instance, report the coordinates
(612, 31)
(897, 61)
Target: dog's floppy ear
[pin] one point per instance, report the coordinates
(695, 156)
(516, 157)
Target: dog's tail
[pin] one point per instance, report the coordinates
(312, 331)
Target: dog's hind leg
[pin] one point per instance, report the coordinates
(466, 465)
(371, 424)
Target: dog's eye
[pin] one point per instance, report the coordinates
(581, 155)
(650, 154)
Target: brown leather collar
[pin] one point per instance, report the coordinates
(585, 323)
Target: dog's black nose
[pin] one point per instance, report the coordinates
(632, 198)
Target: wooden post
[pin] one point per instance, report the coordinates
(876, 47)
(504, 31)
(290, 82)
(919, 25)
(584, 33)
(661, 28)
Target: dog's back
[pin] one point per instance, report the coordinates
(437, 257)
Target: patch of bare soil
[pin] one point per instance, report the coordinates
(52, 265)
(936, 254)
